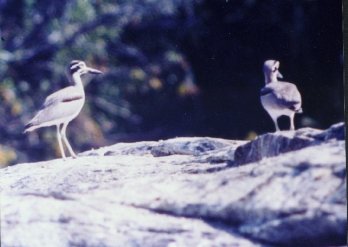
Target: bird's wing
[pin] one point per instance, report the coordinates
(60, 104)
(283, 93)
(289, 93)
(64, 95)
(57, 110)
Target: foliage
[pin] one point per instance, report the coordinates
(172, 67)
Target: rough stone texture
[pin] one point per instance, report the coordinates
(272, 144)
(180, 192)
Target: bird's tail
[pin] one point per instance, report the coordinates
(28, 127)
(299, 110)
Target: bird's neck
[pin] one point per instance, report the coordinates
(76, 80)
(270, 77)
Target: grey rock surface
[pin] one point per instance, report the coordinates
(273, 144)
(181, 192)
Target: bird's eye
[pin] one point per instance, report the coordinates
(275, 69)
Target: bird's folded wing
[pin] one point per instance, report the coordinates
(288, 95)
(67, 94)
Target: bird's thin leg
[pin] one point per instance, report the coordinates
(275, 123)
(292, 125)
(59, 137)
(63, 131)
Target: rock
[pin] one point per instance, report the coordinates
(272, 144)
(138, 148)
(211, 150)
(336, 131)
(181, 192)
(189, 146)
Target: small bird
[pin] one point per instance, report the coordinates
(279, 98)
(63, 106)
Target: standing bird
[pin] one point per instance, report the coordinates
(63, 106)
(279, 98)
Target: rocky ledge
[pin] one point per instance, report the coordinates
(281, 189)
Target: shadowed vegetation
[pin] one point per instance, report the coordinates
(171, 67)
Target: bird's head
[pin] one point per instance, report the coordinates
(271, 69)
(80, 67)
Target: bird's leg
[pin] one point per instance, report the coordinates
(275, 123)
(59, 137)
(292, 125)
(63, 131)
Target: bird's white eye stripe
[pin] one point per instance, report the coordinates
(75, 69)
(81, 64)
(74, 66)
(74, 62)
(77, 63)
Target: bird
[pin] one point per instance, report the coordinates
(279, 98)
(62, 106)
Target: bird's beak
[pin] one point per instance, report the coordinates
(94, 71)
(279, 75)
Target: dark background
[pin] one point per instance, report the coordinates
(171, 68)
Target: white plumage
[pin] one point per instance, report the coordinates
(63, 106)
(279, 98)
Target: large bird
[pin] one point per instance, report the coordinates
(63, 106)
(279, 98)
